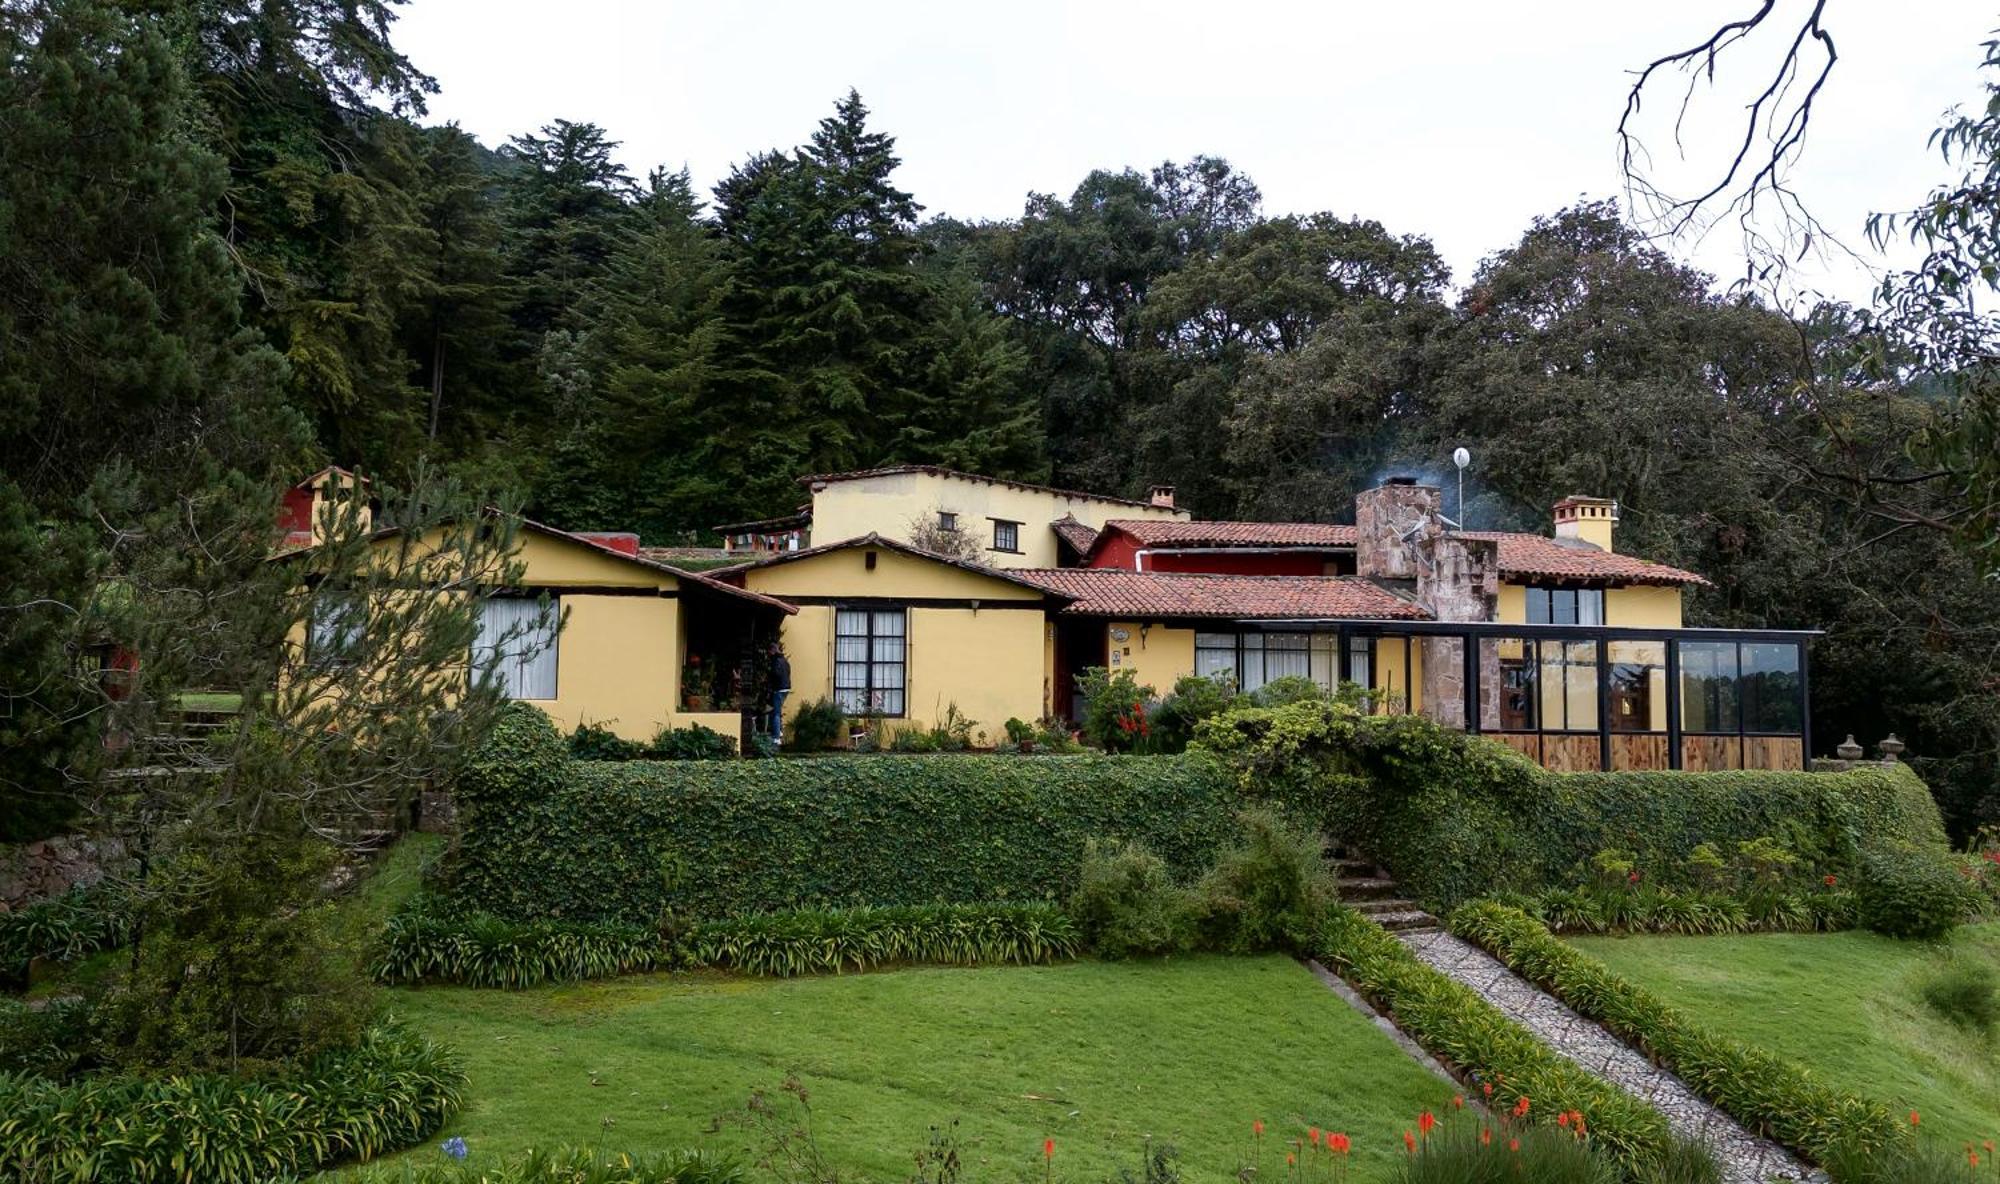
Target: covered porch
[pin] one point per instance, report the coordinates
(1581, 698)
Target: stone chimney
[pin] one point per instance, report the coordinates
(1161, 496)
(1387, 521)
(1586, 519)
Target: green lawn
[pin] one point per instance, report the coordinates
(1845, 1003)
(1095, 1055)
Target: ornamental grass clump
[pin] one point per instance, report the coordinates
(1963, 990)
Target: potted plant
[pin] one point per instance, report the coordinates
(694, 684)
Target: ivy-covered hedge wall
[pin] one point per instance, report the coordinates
(544, 837)
(1455, 816)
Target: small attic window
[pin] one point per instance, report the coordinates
(947, 520)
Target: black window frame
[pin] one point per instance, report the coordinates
(1013, 530)
(947, 520)
(1573, 596)
(869, 690)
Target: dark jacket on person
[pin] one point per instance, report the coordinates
(781, 674)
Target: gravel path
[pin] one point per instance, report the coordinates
(1745, 1158)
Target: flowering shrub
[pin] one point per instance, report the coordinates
(1763, 1092)
(1117, 710)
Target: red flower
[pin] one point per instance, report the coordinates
(1313, 1132)
(1513, 1144)
(1632, 877)
(1339, 1142)
(1488, 1087)
(1831, 880)
(1426, 1121)
(1562, 1120)
(1458, 1101)
(1290, 1159)
(1973, 1157)
(1409, 1141)
(1257, 1128)
(1485, 1136)
(1521, 1107)
(1048, 1148)
(1916, 1119)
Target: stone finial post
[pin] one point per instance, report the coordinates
(1848, 750)
(1891, 748)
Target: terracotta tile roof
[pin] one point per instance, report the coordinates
(1534, 556)
(1076, 534)
(941, 471)
(1151, 533)
(1010, 575)
(1114, 592)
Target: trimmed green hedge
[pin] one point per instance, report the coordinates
(543, 836)
(423, 944)
(1464, 1030)
(1455, 817)
(1766, 1093)
(392, 1090)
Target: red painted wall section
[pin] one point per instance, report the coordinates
(296, 513)
(1237, 563)
(1114, 548)
(622, 541)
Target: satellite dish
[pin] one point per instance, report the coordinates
(1461, 457)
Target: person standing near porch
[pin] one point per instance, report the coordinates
(781, 686)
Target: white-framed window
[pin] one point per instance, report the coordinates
(1006, 535)
(870, 648)
(338, 625)
(1565, 606)
(517, 645)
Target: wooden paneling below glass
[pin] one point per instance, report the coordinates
(1785, 753)
(1571, 753)
(1711, 754)
(1638, 751)
(1528, 744)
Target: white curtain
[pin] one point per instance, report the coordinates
(523, 633)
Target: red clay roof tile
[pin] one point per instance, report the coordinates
(1115, 592)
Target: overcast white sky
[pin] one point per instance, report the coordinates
(1457, 119)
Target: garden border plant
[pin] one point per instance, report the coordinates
(392, 1090)
(430, 943)
(1468, 1033)
(1767, 1093)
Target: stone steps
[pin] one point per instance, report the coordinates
(1374, 895)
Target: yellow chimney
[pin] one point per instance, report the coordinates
(1587, 519)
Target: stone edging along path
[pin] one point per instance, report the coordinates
(1745, 1158)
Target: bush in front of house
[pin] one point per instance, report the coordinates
(388, 1092)
(696, 742)
(1455, 816)
(545, 837)
(1762, 1091)
(817, 726)
(1267, 891)
(1127, 904)
(1913, 892)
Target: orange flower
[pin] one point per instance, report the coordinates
(1988, 1144)
(1048, 1148)
(1485, 1136)
(1290, 1159)
(1339, 1142)
(1313, 1133)
(1488, 1087)
(1458, 1101)
(1409, 1141)
(1426, 1121)
(1562, 1120)
(1916, 1119)
(1257, 1128)
(1513, 1144)
(1973, 1156)
(1831, 880)
(1521, 1107)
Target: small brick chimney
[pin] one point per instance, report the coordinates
(1587, 519)
(1162, 496)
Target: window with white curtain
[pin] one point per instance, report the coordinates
(869, 648)
(516, 646)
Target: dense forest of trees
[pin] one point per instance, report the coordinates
(294, 268)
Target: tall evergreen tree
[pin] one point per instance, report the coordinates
(566, 200)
